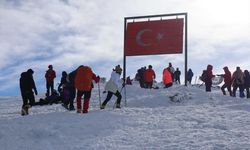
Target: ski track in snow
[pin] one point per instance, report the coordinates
(199, 120)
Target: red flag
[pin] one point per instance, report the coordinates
(154, 37)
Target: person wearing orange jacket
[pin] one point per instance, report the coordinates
(50, 76)
(167, 78)
(149, 76)
(84, 85)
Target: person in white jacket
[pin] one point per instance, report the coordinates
(112, 87)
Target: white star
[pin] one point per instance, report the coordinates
(159, 36)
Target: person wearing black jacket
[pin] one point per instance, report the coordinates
(247, 82)
(27, 85)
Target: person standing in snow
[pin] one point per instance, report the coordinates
(64, 90)
(172, 70)
(149, 76)
(190, 75)
(177, 75)
(167, 78)
(227, 81)
(27, 85)
(112, 87)
(208, 79)
(141, 76)
(84, 85)
(50, 75)
(247, 82)
(238, 82)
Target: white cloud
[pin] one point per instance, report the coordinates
(69, 33)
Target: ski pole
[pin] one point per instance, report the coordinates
(99, 92)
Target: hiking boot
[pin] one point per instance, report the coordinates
(102, 107)
(65, 106)
(72, 108)
(78, 111)
(84, 111)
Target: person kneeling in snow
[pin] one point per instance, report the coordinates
(84, 85)
(112, 87)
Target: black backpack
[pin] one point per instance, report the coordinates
(203, 77)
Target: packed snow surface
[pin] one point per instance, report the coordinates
(179, 117)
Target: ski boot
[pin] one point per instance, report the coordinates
(118, 105)
(102, 106)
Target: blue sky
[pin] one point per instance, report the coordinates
(69, 33)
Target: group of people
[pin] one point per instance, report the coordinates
(238, 79)
(146, 76)
(77, 83)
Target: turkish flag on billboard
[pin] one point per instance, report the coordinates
(154, 37)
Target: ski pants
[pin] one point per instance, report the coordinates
(228, 86)
(87, 95)
(241, 88)
(109, 96)
(148, 85)
(50, 87)
(248, 93)
(208, 85)
(28, 98)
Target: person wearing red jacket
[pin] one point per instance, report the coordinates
(209, 76)
(227, 81)
(84, 85)
(149, 76)
(50, 75)
(167, 78)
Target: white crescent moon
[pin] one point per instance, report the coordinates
(138, 37)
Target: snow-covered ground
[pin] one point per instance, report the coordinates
(207, 121)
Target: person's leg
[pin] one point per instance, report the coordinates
(87, 95)
(118, 101)
(234, 90)
(47, 87)
(208, 86)
(223, 89)
(229, 89)
(52, 87)
(109, 95)
(79, 101)
(31, 98)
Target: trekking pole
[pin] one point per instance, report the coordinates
(99, 92)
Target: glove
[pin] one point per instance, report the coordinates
(123, 84)
(35, 91)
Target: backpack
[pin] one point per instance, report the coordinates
(83, 79)
(203, 77)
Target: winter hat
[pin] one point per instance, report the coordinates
(225, 68)
(50, 66)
